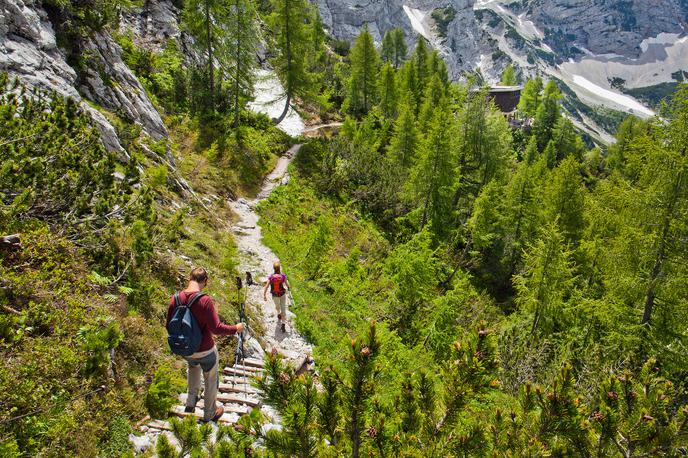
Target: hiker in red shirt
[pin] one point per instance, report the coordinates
(206, 358)
(278, 284)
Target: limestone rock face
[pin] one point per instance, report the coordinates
(609, 26)
(29, 52)
(108, 81)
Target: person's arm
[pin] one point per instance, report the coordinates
(214, 325)
(265, 289)
(286, 282)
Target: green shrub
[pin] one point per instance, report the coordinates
(163, 391)
(116, 443)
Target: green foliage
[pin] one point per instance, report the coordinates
(162, 392)
(117, 442)
(363, 82)
(394, 48)
(509, 76)
(530, 97)
(99, 343)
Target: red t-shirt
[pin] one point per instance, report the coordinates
(206, 317)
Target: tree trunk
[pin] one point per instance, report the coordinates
(237, 86)
(287, 39)
(211, 69)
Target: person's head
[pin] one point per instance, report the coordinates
(277, 267)
(199, 276)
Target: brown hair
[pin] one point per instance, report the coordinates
(276, 265)
(199, 275)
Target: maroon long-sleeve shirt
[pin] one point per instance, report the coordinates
(206, 317)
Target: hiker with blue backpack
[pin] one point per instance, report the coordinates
(278, 284)
(191, 323)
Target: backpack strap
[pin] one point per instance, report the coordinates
(189, 302)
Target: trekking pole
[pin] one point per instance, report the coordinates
(240, 353)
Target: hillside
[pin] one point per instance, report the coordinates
(466, 283)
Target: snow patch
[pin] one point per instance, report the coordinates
(628, 102)
(416, 17)
(270, 100)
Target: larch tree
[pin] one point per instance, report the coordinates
(565, 200)
(434, 175)
(530, 97)
(419, 59)
(365, 64)
(509, 76)
(547, 277)
(394, 48)
(205, 20)
(404, 143)
(389, 98)
(242, 42)
(288, 24)
(547, 115)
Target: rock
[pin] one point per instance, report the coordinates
(140, 443)
(108, 81)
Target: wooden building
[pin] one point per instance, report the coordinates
(506, 97)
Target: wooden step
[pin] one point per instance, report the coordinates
(255, 370)
(254, 362)
(237, 372)
(238, 388)
(239, 398)
(226, 418)
(160, 425)
(229, 407)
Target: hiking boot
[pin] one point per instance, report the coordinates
(218, 413)
(190, 408)
(279, 317)
(284, 327)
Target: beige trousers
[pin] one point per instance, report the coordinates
(206, 362)
(281, 305)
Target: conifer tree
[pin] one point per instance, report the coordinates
(434, 175)
(566, 141)
(388, 91)
(365, 64)
(205, 19)
(289, 27)
(438, 67)
(420, 59)
(394, 47)
(546, 278)
(547, 115)
(242, 41)
(509, 76)
(404, 142)
(530, 97)
(565, 200)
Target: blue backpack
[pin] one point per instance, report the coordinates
(184, 335)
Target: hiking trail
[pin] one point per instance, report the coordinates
(236, 393)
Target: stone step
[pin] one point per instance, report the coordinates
(227, 418)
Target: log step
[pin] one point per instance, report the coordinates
(254, 362)
(230, 407)
(238, 398)
(238, 388)
(255, 370)
(160, 425)
(227, 418)
(237, 372)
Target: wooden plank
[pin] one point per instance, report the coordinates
(160, 425)
(230, 407)
(254, 362)
(226, 418)
(255, 370)
(237, 372)
(238, 398)
(238, 388)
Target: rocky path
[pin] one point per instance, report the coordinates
(236, 393)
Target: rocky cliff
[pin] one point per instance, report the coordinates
(29, 52)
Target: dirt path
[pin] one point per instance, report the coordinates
(257, 259)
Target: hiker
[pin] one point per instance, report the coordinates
(278, 288)
(205, 358)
